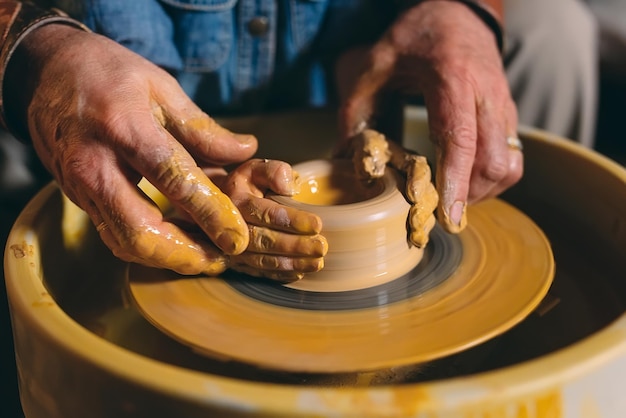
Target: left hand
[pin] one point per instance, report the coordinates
(444, 51)
(285, 243)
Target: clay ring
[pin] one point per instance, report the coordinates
(102, 226)
(514, 143)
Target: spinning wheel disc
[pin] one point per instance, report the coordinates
(496, 273)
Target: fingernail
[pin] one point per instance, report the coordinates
(232, 242)
(245, 139)
(359, 127)
(456, 212)
(216, 266)
(295, 184)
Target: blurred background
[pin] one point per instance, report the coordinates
(610, 136)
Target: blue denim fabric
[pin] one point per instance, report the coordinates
(206, 45)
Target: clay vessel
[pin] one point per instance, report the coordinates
(365, 224)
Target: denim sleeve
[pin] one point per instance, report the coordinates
(141, 25)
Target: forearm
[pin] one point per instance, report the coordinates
(18, 20)
(490, 11)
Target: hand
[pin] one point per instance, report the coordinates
(372, 152)
(285, 243)
(101, 118)
(442, 50)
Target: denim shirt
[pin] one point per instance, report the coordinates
(241, 55)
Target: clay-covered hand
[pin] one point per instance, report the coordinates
(285, 243)
(443, 51)
(101, 118)
(372, 152)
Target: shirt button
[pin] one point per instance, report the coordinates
(258, 26)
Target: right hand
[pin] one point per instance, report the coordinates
(444, 52)
(101, 118)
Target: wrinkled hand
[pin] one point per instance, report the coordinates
(371, 152)
(285, 243)
(101, 118)
(443, 51)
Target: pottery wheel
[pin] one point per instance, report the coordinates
(467, 289)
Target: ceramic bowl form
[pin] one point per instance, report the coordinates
(365, 225)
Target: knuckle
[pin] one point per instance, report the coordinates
(308, 265)
(268, 262)
(261, 239)
(142, 246)
(138, 242)
(495, 170)
(461, 140)
(174, 183)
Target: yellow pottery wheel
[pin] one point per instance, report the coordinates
(83, 350)
(505, 270)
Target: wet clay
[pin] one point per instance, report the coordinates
(365, 224)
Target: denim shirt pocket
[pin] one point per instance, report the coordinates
(204, 32)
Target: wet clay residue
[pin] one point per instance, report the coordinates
(22, 250)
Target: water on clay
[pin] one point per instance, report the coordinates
(588, 293)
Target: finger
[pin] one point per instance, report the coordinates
(422, 221)
(207, 140)
(279, 276)
(247, 185)
(422, 211)
(513, 154)
(419, 186)
(259, 175)
(170, 168)
(491, 165)
(141, 235)
(420, 192)
(514, 172)
(516, 155)
(268, 213)
(370, 154)
(452, 122)
(270, 241)
(276, 263)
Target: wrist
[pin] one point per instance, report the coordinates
(491, 13)
(21, 24)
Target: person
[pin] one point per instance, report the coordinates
(126, 89)
(104, 111)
